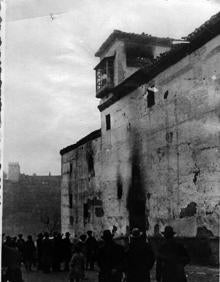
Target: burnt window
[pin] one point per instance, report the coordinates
(150, 98)
(138, 55)
(71, 220)
(108, 121)
(105, 74)
(70, 200)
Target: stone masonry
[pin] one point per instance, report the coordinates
(157, 161)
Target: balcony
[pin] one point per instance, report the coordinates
(104, 76)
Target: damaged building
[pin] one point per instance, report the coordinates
(156, 159)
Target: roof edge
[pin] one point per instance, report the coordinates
(91, 136)
(143, 37)
(206, 32)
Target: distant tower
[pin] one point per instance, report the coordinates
(14, 171)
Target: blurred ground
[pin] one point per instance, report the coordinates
(194, 273)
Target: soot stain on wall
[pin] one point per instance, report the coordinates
(95, 203)
(136, 198)
(90, 160)
(119, 188)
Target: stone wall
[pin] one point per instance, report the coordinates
(81, 194)
(157, 165)
(166, 157)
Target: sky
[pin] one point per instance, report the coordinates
(48, 78)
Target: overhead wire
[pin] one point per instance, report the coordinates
(36, 17)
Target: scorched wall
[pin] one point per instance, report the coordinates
(164, 160)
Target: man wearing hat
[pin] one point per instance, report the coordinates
(171, 260)
(66, 250)
(140, 258)
(110, 259)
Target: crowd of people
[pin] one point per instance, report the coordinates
(130, 260)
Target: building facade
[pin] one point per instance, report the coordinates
(156, 159)
(13, 171)
(31, 205)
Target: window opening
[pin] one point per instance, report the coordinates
(138, 55)
(150, 99)
(108, 121)
(166, 94)
(71, 168)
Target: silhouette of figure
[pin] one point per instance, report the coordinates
(57, 252)
(21, 245)
(29, 253)
(171, 259)
(66, 244)
(111, 259)
(91, 249)
(140, 258)
(11, 262)
(46, 253)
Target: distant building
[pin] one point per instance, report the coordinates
(13, 171)
(31, 205)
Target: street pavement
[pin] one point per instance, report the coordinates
(38, 276)
(194, 274)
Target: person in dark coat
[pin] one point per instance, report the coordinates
(140, 258)
(67, 247)
(8, 241)
(111, 259)
(11, 263)
(57, 252)
(91, 250)
(21, 246)
(29, 253)
(171, 259)
(82, 243)
(46, 253)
